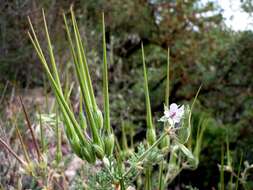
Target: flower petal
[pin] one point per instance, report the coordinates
(180, 111)
(167, 113)
(173, 107)
(163, 119)
(171, 122)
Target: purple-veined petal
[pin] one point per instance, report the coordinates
(180, 111)
(173, 115)
(173, 107)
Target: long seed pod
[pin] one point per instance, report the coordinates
(166, 141)
(66, 111)
(109, 141)
(105, 82)
(151, 135)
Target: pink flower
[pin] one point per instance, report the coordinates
(173, 115)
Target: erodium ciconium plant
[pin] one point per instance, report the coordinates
(168, 148)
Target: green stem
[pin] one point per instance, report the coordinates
(148, 181)
(222, 169)
(144, 154)
(42, 135)
(58, 136)
(161, 182)
(238, 174)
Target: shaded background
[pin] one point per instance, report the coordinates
(204, 50)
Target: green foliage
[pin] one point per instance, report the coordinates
(230, 97)
(16, 55)
(93, 147)
(239, 177)
(247, 6)
(202, 51)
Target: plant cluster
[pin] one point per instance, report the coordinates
(203, 50)
(91, 136)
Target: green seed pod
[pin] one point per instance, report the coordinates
(75, 145)
(151, 136)
(92, 153)
(98, 151)
(88, 154)
(83, 121)
(98, 118)
(58, 157)
(109, 141)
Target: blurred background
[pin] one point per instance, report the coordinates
(210, 41)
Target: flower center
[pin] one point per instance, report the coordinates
(172, 114)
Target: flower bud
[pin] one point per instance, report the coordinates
(75, 145)
(98, 116)
(83, 121)
(98, 151)
(109, 141)
(88, 154)
(151, 136)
